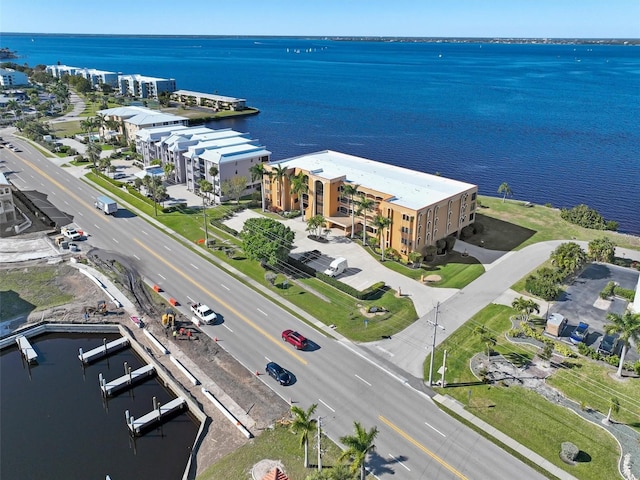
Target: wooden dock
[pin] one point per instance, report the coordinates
(26, 349)
(126, 381)
(136, 426)
(103, 350)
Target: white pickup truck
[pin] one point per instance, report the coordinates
(203, 314)
(71, 233)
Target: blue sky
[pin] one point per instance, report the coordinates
(411, 18)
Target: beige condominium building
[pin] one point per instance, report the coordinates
(422, 208)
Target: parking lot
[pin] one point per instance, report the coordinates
(581, 301)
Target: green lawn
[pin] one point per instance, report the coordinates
(518, 412)
(276, 444)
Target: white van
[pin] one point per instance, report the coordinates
(336, 267)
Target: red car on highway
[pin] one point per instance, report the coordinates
(295, 339)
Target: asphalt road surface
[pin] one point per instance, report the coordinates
(415, 441)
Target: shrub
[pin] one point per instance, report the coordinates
(466, 232)
(613, 360)
(636, 367)
(478, 227)
(587, 217)
(607, 291)
(625, 293)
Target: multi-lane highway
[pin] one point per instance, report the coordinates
(415, 441)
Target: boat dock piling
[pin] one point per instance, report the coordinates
(26, 349)
(103, 351)
(159, 412)
(127, 380)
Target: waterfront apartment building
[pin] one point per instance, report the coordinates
(194, 150)
(7, 206)
(10, 78)
(127, 121)
(422, 208)
(215, 102)
(141, 86)
(96, 77)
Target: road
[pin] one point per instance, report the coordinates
(415, 441)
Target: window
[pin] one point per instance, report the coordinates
(473, 196)
(471, 217)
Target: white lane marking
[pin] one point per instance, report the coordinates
(66, 202)
(144, 232)
(225, 326)
(115, 240)
(191, 299)
(195, 266)
(96, 226)
(81, 214)
(362, 379)
(385, 351)
(398, 461)
(435, 429)
(166, 247)
(161, 277)
(136, 256)
(320, 400)
(262, 312)
(225, 287)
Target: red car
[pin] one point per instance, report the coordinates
(295, 339)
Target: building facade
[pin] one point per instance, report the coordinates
(10, 78)
(215, 102)
(7, 206)
(141, 86)
(420, 207)
(96, 77)
(128, 121)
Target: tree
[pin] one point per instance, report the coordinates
(155, 188)
(568, 257)
(280, 173)
(93, 152)
(614, 406)
(505, 189)
(214, 171)
(299, 187)
(351, 190)
(304, 425)
(602, 250)
(233, 187)
(358, 447)
(381, 222)
(627, 326)
(337, 472)
(168, 169)
(105, 164)
(315, 224)
(267, 239)
(526, 307)
(364, 206)
(205, 187)
(486, 337)
(415, 258)
(257, 172)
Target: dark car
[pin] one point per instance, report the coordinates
(295, 339)
(608, 345)
(311, 255)
(580, 333)
(279, 373)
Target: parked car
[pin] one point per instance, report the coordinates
(608, 345)
(580, 333)
(295, 339)
(279, 373)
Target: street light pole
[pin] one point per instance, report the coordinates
(433, 345)
(319, 447)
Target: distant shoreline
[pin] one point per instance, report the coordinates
(499, 40)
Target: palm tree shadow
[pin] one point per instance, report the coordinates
(378, 465)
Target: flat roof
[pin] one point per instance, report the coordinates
(148, 118)
(234, 152)
(210, 96)
(407, 188)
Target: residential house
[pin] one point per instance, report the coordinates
(129, 120)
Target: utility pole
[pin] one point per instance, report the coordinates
(433, 345)
(319, 446)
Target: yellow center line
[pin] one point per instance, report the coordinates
(60, 186)
(422, 447)
(249, 322)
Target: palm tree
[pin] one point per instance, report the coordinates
(505, 189)
(358, 446)
(351, 190)
(280, 172)
(15, 107)
(299, 187)
(213, 171)
(486, 337)
(364, 206)
(303, 424)
(381, 222)
(315, 224)
(526, 307)
(93, 152)
(627, 326)
(205, 187)
(257, 172)
(614, 406)
(168, 169)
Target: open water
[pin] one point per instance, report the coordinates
(558, 123)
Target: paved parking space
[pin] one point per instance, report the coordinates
(581, 301)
